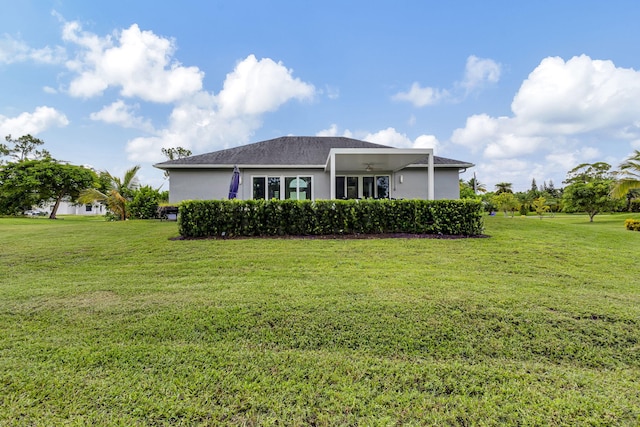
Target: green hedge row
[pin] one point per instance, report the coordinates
(227, 218)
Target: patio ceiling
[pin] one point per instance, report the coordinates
(374, 159)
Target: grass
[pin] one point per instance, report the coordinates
(113, 323)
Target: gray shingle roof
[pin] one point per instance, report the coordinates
(286, 150)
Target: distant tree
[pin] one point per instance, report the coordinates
(506, 202)
(174, 153)
(24, 148)
(114, 192)
(588, 189)
(525, 199)
(628, 178)
(27, 183)
(503, 187)
(476, 185)
(540, 206)
(534, 186)
(144, 204)
(466, 191)
(550, 190)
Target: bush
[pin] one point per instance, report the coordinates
(226, 218)
(144, 204)
(632, 224)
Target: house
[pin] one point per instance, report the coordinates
(295, 167)
(67, 207)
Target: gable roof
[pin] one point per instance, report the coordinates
(286, 151)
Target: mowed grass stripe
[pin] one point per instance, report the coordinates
(114, 323)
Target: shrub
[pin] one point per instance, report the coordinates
(218, 218)
(144, 204)
(632, 224)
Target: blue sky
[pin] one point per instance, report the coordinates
(521, 89)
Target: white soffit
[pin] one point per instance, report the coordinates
(375, 159)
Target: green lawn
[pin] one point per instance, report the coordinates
(113, 323)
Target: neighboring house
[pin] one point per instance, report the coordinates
(69, 208)
(295, 167)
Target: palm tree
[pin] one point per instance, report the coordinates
(630, 175)
(477, 185)
(503, 187)
(114, 192)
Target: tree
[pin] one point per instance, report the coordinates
(503, 187)
(466, 191)
(144, 204)
(174, 154)
(114, 192)
(589, 188)
(506, 202)
(24, 147)
(27, 183)
(629, 176)
(540, 206)
(476, 185)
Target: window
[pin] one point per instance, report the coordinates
(298, 188)
(258, 187)
(88, 208)
(340, 194)
(278, 187)
(382, 187)
(355, 187)
(274, 187)
(352, 187)
(367, 187)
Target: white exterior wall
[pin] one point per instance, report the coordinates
(67, 208)
(414, 183)
(213, 184)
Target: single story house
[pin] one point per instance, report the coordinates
(302, 167)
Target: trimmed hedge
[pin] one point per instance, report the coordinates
(228, 218)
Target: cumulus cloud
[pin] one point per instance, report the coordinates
(563, 110)
(421, 96)
(140, 63)
(124, 115)
(13, 50)
(391, 137)
(256, 87)
(333, 130)
(207, 121)
(41, 119)
(480, 71)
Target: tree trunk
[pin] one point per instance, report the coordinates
(54, 210)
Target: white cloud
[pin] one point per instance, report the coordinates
(40, 120)
(391, 137)
(257, 87)
(480, 71)
(421, 96)
(50, 90)
(139, 62)
(561, 113)
(121, 114)
(12, 51)
(206, 121)
(579, 95)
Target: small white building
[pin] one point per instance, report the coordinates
(68, 208)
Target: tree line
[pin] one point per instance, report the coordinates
(30, 176)
(592, 188)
